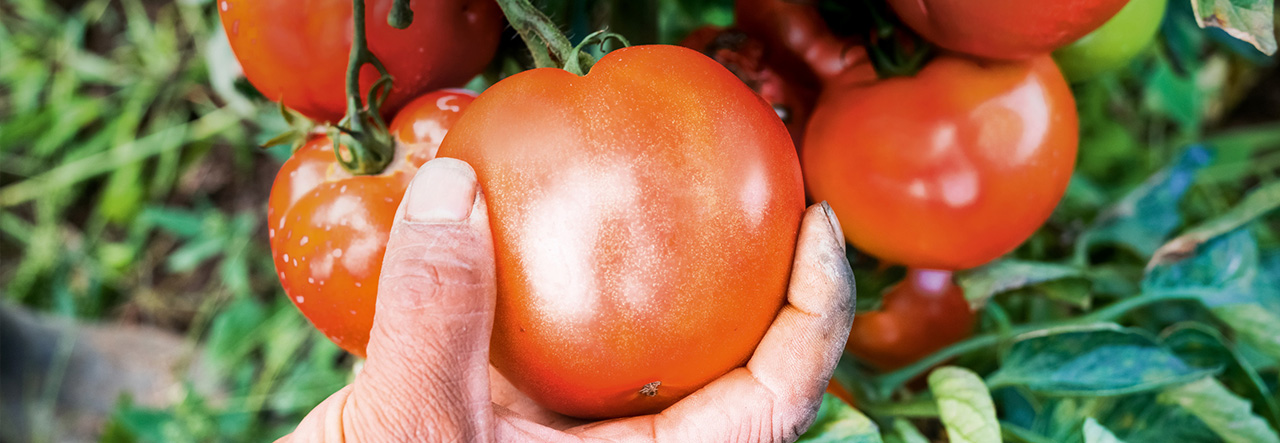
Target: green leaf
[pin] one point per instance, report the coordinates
(838, 422)
(904, 432)
(965, 405)
(1221, 272)
(1093, 360)
(1146, 216)
(1004, 275)
(1252, 21)
(1096, 433)
(1202, 346)
(1261, 201)
(1230, 416)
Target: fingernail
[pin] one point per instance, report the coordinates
(443, 191)
(835, 224)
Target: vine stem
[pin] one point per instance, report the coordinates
(368, 145)
(549, 46)
(892, 381)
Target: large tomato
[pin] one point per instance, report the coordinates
(297, 52)
(1005, 29)
(644, 217)
(1111, 46)
(328, 229)
(948, 169)
(919, 316)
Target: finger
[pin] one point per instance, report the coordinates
(775, 397)
(428, 353)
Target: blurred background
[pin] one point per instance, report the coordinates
(134, 266)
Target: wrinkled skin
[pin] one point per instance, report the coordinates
(328, 229)
(1112, 46)
(644, 216)
(744, 56)
(297, 52)
(1005, 29)
(948, 169)
(919, 316)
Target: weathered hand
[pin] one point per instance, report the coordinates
(428, 377)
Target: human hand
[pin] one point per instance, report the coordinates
(427, 377)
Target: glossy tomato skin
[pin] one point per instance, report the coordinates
(644, 218)
(1108, 48)
(919, 316)
(297, 52)
(744, 56)
(1005, 29)
(948, 169)
(328, 229)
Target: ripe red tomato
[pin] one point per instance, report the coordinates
(297, 52)
(948, 169)
(918, 317)
(1005, 29)
(744, 56)
(644, 218)
(328, 229)
(799, 42)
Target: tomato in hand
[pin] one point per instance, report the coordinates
(297, 52)
(644, 219)
(1115, 43)
(919, 316)
(1005, 29)
(328, 229)
(744, 57)
(948, 169)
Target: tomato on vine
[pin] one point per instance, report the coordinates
(1115, 43)
(1005, 29)
(644, 218)
(947, 169)
(919, 316)
(328, 228)
(297, 52)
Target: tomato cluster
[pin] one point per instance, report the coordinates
(628, 203)
(950, 166)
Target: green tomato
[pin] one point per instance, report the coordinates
(1111, 46)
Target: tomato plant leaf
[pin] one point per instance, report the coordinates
(1230, 416)
(982, 283)
(1145, 217)
(965, 405)
(1252, 21)
(839, 422)
(1202, 346)
(1259, 202)
(1096, 433)
(1221, 272)
(1092, 360)
(904, 432)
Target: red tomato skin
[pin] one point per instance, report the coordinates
(1005, 29)
(297, 52)
(921, 315)
(328, 230)
(948, 169)
(799, 42)
(644, 217)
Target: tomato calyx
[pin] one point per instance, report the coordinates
(550, 47)
(894, 50)
(362, 135)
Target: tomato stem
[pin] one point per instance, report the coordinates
(886, 48)
(549, 46)
(369, 147)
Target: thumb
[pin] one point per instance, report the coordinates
(428, 353)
